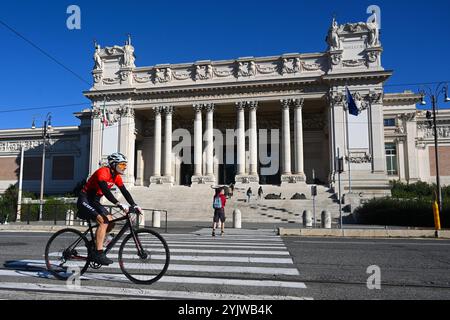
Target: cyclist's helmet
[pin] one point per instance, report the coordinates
(116, 158)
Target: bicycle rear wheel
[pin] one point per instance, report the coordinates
(67, 252)
(149, 265)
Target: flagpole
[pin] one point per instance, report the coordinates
(348, 155)
(103, 131)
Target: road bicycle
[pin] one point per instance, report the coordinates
(143, 256)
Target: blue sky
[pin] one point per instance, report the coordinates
(415, 37)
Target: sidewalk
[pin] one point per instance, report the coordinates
(282, 229)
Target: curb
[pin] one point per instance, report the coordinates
(30, 228)
(364, 233)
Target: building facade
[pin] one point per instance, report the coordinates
(66, 159)
(297, 99)
(278, 120)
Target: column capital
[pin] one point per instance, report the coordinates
(197, 108)
(209, 107)
(336, 98)
(285, 103)
(168, 110)
(240, 106)
(252, 105)
(126, 111)
(298, 103)
(157, 110)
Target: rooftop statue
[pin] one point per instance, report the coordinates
(333, 39)
(97, 59)
(374, 38)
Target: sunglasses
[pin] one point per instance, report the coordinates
(122, 164)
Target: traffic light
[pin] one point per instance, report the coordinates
(313, 191)
(430, 124)
(340, 165)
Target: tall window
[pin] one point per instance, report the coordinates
(389, 122)
(63, 168)
(391, 159)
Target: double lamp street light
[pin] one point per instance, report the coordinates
(434, 94)
(46, 129)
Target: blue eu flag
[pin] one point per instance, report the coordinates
(352, 108)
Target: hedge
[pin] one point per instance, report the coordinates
(401, 212)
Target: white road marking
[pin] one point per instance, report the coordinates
(156, 294)
(201, 258)
(184, 267)
(215, 252)
(169, 279)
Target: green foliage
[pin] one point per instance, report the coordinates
(52, 208)
(55, 209)
(8, 202)
(398, 212)
(420, 190)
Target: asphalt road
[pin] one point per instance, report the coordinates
(277, 268)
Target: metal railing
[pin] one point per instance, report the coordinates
(66, 214)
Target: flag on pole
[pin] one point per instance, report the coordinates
(351, 104)
(105, 116)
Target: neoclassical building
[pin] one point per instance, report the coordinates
(277, 120)
(300, 96)
(298, 99)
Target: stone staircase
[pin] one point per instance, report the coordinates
(195, 203)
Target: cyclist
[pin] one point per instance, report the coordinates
(96, 187)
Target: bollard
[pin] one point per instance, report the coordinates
(156, 220)
(326, 219)
(237, 219)
(307, 219)
(141, 218)
(69, 217)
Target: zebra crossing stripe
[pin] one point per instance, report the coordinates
(209, 268)
(215, 252)
(186, 267)
(168, 279)
(148, 293)
(199, 244)
(202, 258)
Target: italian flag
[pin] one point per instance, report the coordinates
(104, 116)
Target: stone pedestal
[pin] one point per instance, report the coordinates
(162, 180)
(202, 180)
(247, 179)
(293, 178)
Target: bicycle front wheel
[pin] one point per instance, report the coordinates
(144, 258)
(67, 253)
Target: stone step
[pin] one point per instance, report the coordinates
(195, 204)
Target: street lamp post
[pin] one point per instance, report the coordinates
(47, 127)
(434, 96)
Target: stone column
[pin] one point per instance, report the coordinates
(338, 129)
(96, 140)
(168, 177)
(298, 123)
(198, 141)
(286, 139)
(411, 151)
(240, 138)
(379, 156)
(253, 106)
(127, 140)
(139, 168)
(156, 178)
(210, 141)
(399, 142)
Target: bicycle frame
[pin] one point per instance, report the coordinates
(122, 231)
